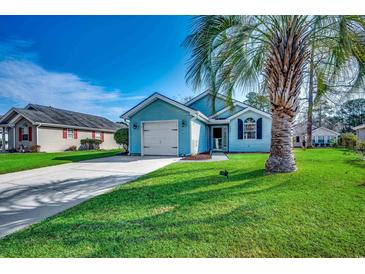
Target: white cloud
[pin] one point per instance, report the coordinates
(24, 81)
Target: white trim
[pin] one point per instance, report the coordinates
(156, 96)
(359, 127)
(212, 138)
(249, 109)
(330, 130)
(160, 121)
(250, 131)
(218, 122)
(223, 110)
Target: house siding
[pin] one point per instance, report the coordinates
(51, 139)
(24, 123)
(250, 145)
(202, 136)
(361, 133)
(323, 132)
(159, 111)
(205, 105)
(230, 112)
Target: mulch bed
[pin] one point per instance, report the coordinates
(203, 156)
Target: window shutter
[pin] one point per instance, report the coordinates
(20, 135)
(65, 133)
(75, 134)
(93, 135)
(102, 136)
(259, 128)
(239, 129)
(30, 137)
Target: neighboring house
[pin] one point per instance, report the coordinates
(321, 137)
(360, 131)
(162, 126)
(54, 129)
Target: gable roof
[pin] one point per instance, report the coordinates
(155, 96)
(223, 110)
(218, 95)
(224, 97)
(301, 129)
(359, 127)
(38, 114)
(327, 129)
(249, 108)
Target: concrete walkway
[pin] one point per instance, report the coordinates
(28, 197)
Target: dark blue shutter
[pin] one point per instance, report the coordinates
(240, 129)
(259, 128)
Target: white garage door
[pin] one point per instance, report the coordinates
(160, 138)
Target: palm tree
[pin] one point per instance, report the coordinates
(237, 52)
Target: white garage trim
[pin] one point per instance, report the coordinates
(159, 121)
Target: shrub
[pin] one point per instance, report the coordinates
(348, 140)
(121, 138)
(360, 146)
(35, 148)
(89, 144)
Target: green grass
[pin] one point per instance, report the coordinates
(13, 162)
(188, 210)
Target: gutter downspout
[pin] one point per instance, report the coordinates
(36, 129)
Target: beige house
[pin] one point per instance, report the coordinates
(360, 132)
(321, 137)
(53, 129)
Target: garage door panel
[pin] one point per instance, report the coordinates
(160, 138)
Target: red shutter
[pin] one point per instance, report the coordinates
(75, 133)
(102, 136)
(93, 134)
(20, 135)
(30, 136)
(65, 133)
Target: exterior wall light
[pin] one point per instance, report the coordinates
(183, 123)
(135, 126)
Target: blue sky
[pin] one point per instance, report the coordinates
(95, 64)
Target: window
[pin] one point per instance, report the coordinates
(25, 134)
(321, 139)
(98, 135)
(250, 128)
(297, 139)
(70, 133)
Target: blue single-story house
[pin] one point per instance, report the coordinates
(162, 126)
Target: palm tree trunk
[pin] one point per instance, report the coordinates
(281, 154)
(284, 71)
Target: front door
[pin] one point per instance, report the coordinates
(219, 138)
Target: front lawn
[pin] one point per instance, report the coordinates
(12, 162)
(188, 210)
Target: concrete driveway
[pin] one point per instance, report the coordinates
(27, 197)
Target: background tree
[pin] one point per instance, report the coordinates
(351, 114)
(258, 100)
(121, 138)
(337, 47)
(322, 111)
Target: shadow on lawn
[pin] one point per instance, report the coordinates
(118, 231)
(356, 162)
